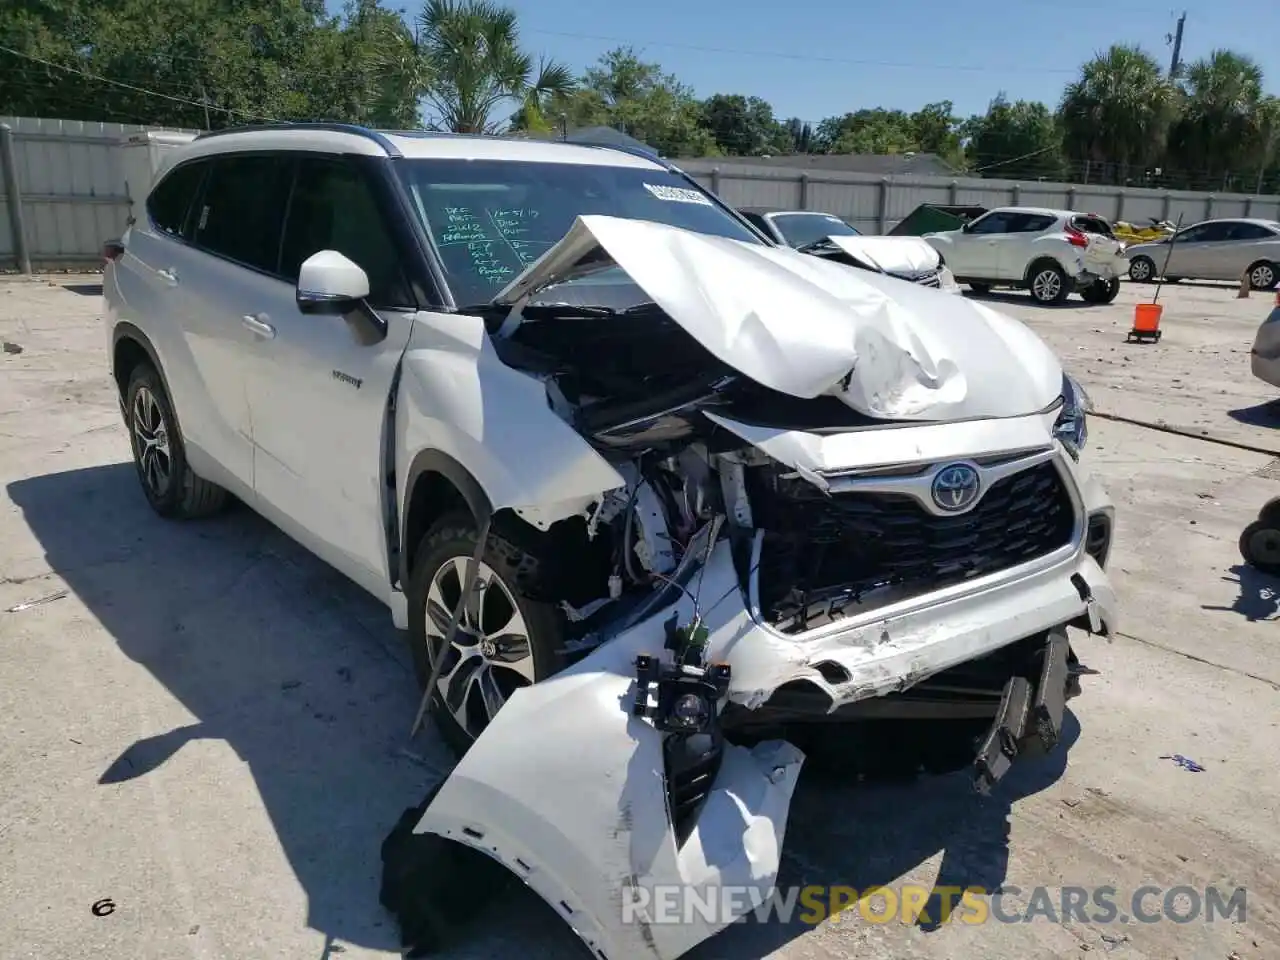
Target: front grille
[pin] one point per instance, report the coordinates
(827, 557)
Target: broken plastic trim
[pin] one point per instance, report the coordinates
(1029, 719)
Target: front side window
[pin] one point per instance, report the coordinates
(490, 219)
(334, 208)
(241, 212)
(999, 222)
(802, 229)
(171, 200)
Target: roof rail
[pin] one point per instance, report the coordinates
(351, 128)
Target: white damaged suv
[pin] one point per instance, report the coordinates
(661, 506)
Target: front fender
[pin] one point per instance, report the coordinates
(568, 790)
(456, 397)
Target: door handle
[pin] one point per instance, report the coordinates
(259, 326)
(169, 276)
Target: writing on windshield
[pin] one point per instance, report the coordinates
(490, 219)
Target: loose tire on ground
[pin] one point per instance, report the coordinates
(170, 485)
(523, 648)
(1101, 291)
(1260, 546)
(1270, 512)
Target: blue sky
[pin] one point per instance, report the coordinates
(824, 57)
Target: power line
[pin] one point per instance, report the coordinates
(809, 58)
(130, 86)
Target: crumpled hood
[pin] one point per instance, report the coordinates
(807, 327)
(902, 256)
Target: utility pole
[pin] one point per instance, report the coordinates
(1176, 40)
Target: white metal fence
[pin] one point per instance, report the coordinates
(72, 190)
(73, 193)
(877, 204)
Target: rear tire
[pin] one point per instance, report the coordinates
(1048, 283)
(171, 487)
(1264, 275)
(1101, 291)
(503, 642)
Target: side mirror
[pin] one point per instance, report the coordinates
(333, 285)
(967, 228)
(330, 283)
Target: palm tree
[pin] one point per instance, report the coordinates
(1224, 123)
(472, 50)
(1118, 112)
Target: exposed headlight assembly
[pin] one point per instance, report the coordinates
(1071, 427)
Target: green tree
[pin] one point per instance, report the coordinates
(873, 131)
(1225, 124)
(626, 93)
(1116, 116)
(1015, 141)
(744, 126)
(474, 63)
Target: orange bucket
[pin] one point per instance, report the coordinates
(1146, 317)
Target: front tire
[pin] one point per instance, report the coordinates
(1264, 275)
(505, 640)
(1142, 270)
(171, 487)
(981, 289)
(1048, 284)
(1101, 291)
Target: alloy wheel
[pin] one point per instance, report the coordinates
(151, 438)
(1140, 270)
(490, 656)
(1047, 285)
(1263, 276)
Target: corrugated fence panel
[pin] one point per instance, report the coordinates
(73, 193)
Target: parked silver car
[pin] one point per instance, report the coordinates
(1264, 356)
(1213, 250)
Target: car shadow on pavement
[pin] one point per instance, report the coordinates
(1259, 415)
(1259, 598)
(1020, 298)
(867, 836)
(298, 670)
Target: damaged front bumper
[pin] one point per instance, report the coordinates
(578, 797)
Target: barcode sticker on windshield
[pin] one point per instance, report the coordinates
(677, 194)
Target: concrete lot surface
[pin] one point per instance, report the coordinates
(209, 728)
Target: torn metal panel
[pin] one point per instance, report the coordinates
(807, 327)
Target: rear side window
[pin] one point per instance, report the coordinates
(334, 208)
(170, 201)
(241, 212)
(1251, 231)
(1034, 223)
(1092, 225)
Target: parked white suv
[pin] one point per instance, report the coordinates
(1049, 252)
(642, 488)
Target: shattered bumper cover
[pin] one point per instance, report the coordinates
(571, 793)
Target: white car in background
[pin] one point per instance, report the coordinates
(826, 235)
(1051, 253)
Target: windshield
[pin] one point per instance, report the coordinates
(490, 219)
(802, 229)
